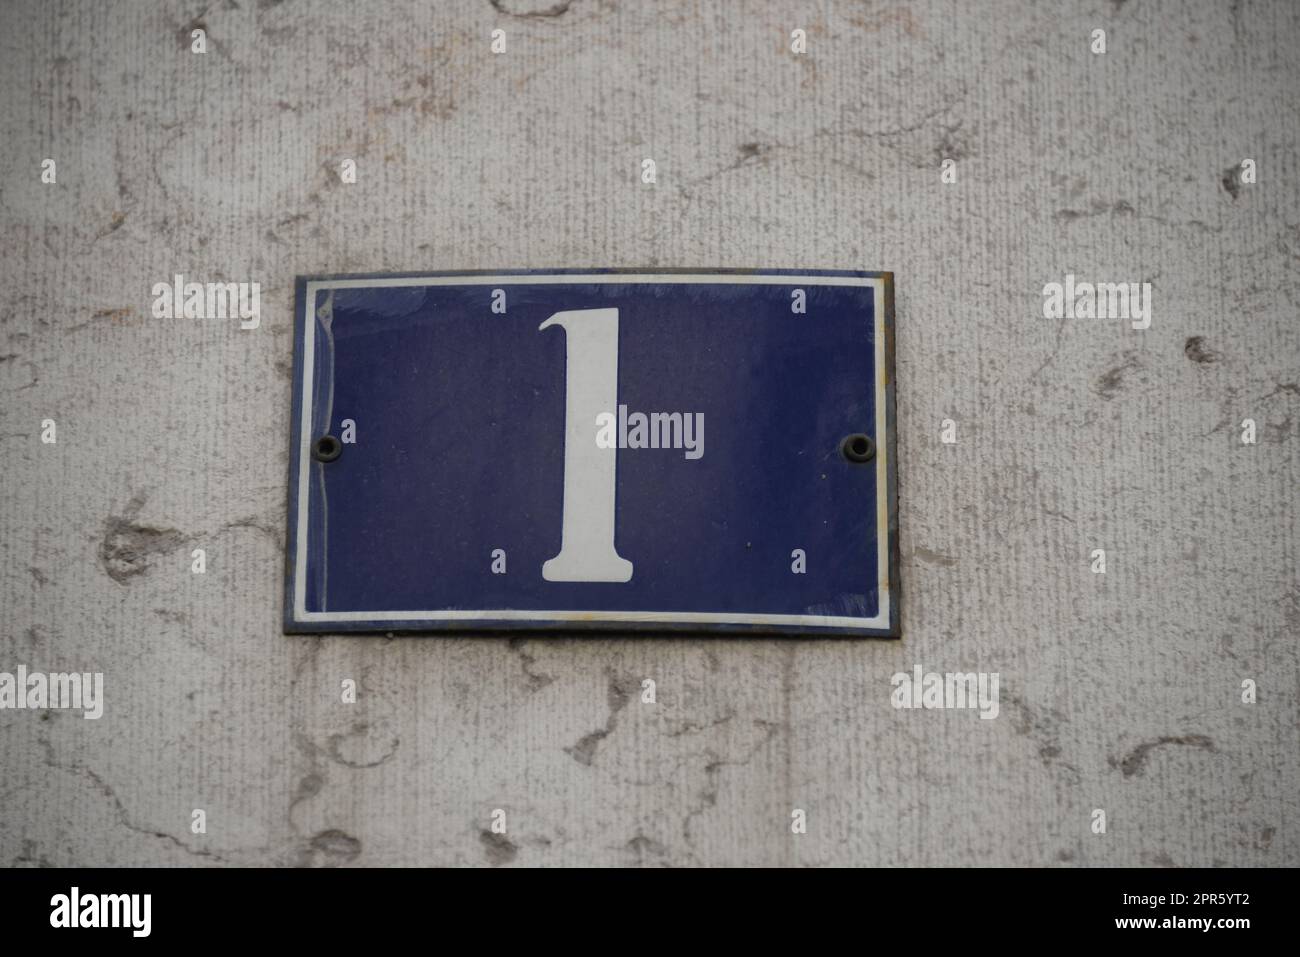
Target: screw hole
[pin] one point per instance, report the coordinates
(858, 447)
(326, 449)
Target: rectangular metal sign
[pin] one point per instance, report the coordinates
(563, 450)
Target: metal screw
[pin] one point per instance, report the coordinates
(858, 447)
(326, 449)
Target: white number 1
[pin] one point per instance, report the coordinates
(587, 551)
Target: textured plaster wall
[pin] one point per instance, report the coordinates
(1120, 691)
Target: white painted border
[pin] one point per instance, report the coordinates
(880, 621)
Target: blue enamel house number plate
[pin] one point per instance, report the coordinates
(568, 450)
